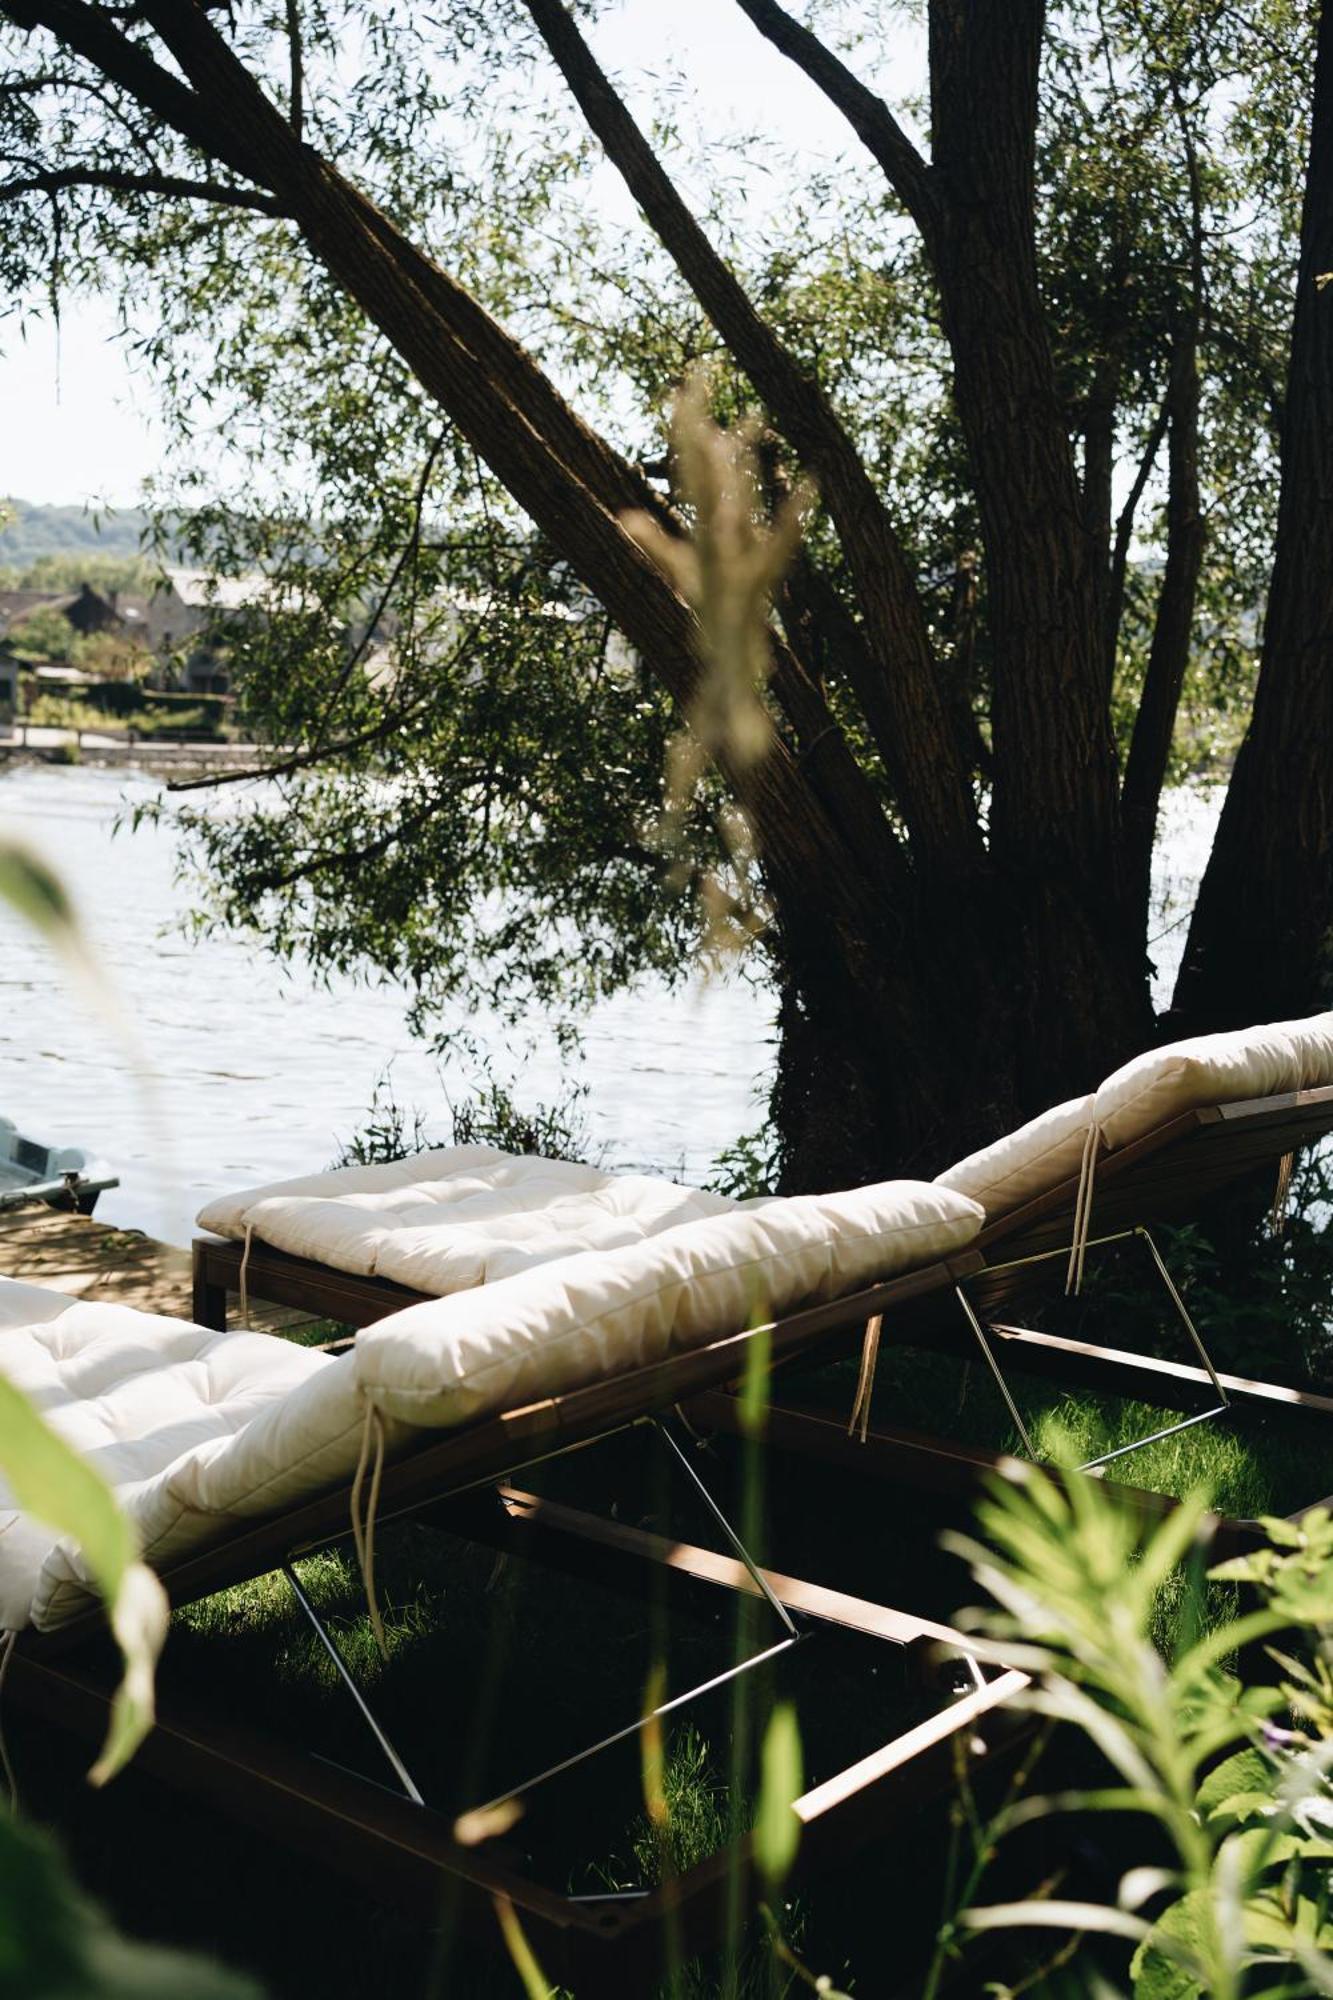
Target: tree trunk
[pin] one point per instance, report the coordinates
(1173, 630)
(1070, 961)
(1259, 941)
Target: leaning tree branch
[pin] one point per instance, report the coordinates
(566, 478)
(869, 116)
(119, 181)
(296, 60)
(909, 724)
(1124, 527)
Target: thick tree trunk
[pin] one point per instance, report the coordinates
(1261, 940)
(1071, 962)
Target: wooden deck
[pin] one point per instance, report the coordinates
(93, 1260)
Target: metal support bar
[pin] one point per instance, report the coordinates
(995, 1370)
(1180, 1307)
(761, 1581)
(650, 1715)
(400, 1770)
(1182, 1313)
(1153, 1437)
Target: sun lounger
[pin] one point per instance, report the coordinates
(235, 1454)
(355, 1243)
(1152, 1145)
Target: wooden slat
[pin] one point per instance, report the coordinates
(292, 1281)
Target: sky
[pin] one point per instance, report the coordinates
(77, 418)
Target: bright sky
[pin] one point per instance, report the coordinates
(77, 420)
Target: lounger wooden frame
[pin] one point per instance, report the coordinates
(408, 1851)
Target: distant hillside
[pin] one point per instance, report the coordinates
(56, 531)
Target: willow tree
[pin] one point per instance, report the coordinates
(1090, 311)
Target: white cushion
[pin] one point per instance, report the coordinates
(192, 1427)
(586, 1317)
(1213, 1069)
(199, 1431)
(1025, 1163)
(464, 1215)
(1143, 1094)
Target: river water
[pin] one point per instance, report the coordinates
(258, 1070)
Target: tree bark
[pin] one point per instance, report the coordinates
(1173, 629)
(1075, 971)
(1259, 941)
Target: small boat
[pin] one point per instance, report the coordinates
(61, 1176)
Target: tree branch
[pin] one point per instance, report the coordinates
(1124, 527)
(90, 33)
(869, 116)
(907, 720)
(570, 482)
(1173, 627)
(297, 65)
(171, 186)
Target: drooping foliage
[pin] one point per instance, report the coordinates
(1038, 372)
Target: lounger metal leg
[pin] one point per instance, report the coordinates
(765, 1588)
(368, 1716)
(1182, 1313)
(651, 1715)
(995, 1370)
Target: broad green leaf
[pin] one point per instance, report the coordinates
(56, 1945)
(50, 1481)
(777, 1830)
(1230, 1788)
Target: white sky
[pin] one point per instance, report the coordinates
(77, 419)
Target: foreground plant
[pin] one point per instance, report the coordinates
(1241, 1907)
(45, 1477)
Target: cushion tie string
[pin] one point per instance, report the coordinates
(1083, 1209)
(859, 1421)
(1277, 1216)
(363, 1527)
(245, 1267)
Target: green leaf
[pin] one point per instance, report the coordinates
(36, 893)
(55, 1945)
(1230, 1787)
(777, 1830)
(50, 1481)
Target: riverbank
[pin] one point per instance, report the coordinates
(153, 758)
(88, 1259)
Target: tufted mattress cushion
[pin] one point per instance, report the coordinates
(199, 1431)
(465, 1215)
(550, 1329)
(1144, 1093)
(195, 1429)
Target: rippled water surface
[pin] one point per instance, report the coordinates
(260, 1070)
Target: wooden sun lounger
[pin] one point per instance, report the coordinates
(462, 1482)
(1161, 1178)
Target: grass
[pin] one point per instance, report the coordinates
(1249, 1462)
